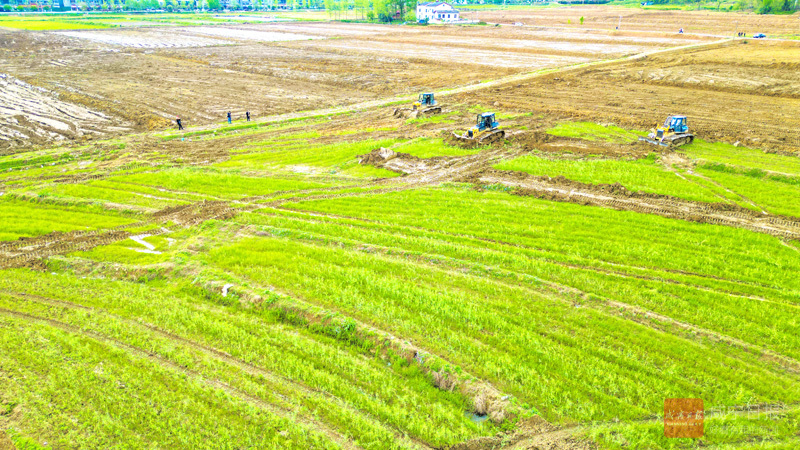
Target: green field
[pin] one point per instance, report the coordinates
(97, 20)
(283, 295)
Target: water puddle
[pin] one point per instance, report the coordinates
(477, 418)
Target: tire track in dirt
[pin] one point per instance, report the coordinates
(215, 354)
(26, 251)
(171, 366)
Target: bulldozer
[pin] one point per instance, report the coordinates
(425, 106)
(674, 133)
(485, 131)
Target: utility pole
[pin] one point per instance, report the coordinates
(620, 23)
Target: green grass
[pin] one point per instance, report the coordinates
(331, 382)
(756, 429)
(594, 132)
(104, 193)
(560, 306)
(47, 24)
(303, 157)
(742, 157)
(26, 219)
(436, 118)
(447, 280)
(216, 183)
(76, 389)
(643, 175)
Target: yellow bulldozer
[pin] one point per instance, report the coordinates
(426, 105)
(485, 131)
(674, 133)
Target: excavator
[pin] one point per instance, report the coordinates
(485, 131)
(674, 133)
(425, 106)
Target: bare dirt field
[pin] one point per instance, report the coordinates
(30, 115)
(608, 18)
(739, 92)
(150, 76)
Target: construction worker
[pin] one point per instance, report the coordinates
(178, 121)
(248, 116)
(229, 117)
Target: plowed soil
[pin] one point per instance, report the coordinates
(146, 77)
(739, 92)
(34, 115)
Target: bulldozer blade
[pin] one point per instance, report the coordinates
(462, 138)
(654, 141)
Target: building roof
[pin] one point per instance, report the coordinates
(432, 4)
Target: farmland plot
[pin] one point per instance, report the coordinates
(346, 278)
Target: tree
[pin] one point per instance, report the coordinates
(213, 4)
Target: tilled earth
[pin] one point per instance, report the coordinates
(142, 79)
(744, 93)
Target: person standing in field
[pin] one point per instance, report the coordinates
(229, 117)
(248, 116)
(178, 121)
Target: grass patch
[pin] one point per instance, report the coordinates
(47, 24)
(216, 183)
(21, 218)
(643, 175)
(302, 157)
(593, 132)
(741, 157)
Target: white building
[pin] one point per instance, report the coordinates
(436, 12)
